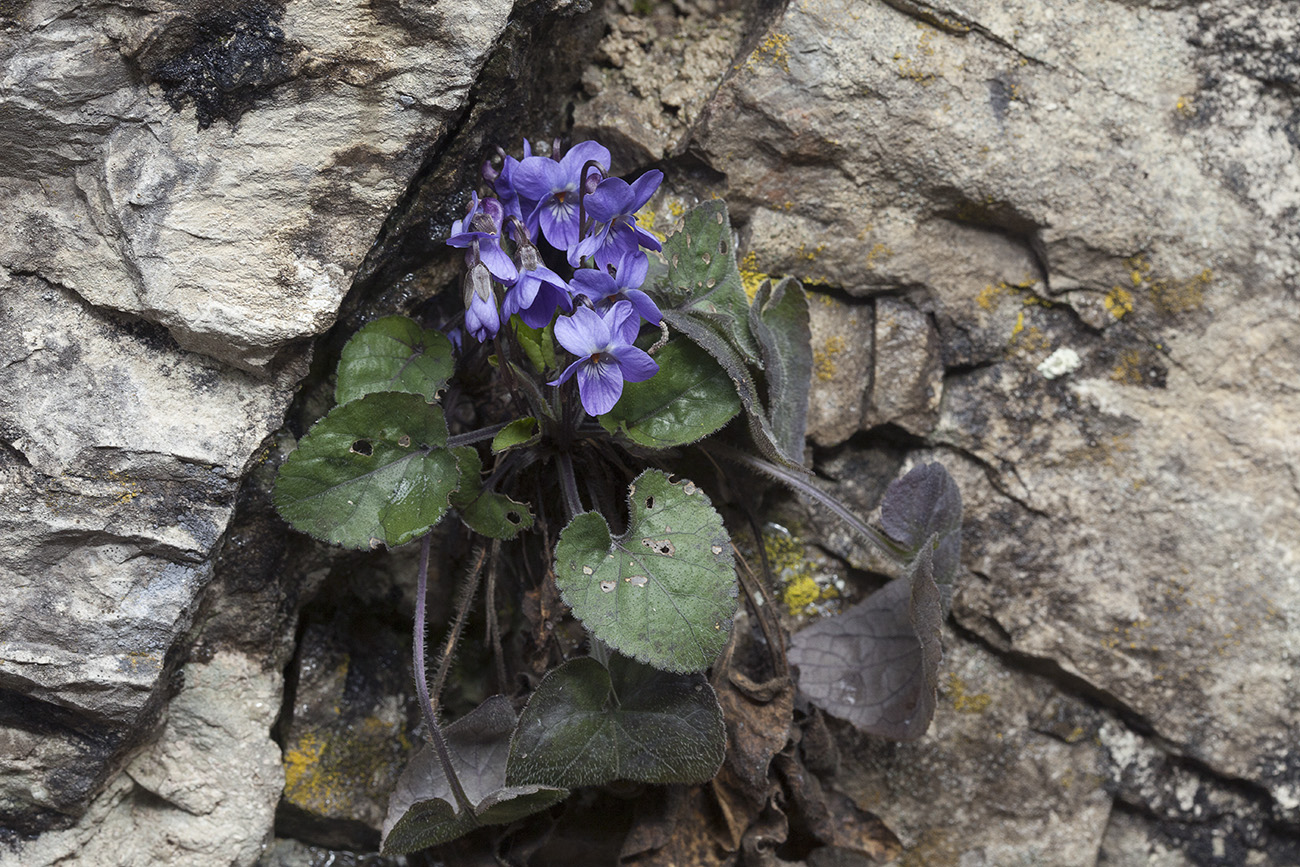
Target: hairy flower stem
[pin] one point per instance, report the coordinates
(475, 436)
(569, 485)
(803, 486)
(422, 686)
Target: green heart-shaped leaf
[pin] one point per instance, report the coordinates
(665, 591)
(702, 278)
(422, 810)
(486, 512)
(689, 398)
(780, 320)
(393, 354)
(587, 725)
(373, 471)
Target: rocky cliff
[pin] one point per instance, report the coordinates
(1053, 245)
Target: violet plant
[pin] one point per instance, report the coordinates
(659, 349)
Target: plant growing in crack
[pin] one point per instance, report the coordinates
(604, 361)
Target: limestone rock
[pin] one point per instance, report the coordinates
(187, 188)
(653, 75)
(1009, 772)
(232, 199)
(121, 457)
(203, 794)
(907, 381)
(1115, 180)
(842, 367)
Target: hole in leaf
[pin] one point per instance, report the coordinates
(660, 546)
(722, 246)
(404, 441)
(513, 517)
(649, 502)
(362, 447)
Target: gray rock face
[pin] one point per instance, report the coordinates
(122, 457)
(189, 191)
(237, 221)
(203, 794)
(1118, 181)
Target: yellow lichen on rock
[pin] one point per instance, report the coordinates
(824, 358)
(963, 701)
(1119, 302)
(750, 277)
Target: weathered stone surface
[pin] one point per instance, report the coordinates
(842, 367)
(653, 74)
(121, 459)
(1117, 180)
(203, 793)
(348, 736)
(1009, 773)
(907, 380)
(188, 187)
(238, 220)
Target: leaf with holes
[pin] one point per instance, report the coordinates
(486, 512)
(688, 399)
(423, 811)
(779, 319)
(373, 471)
(665, 591)
(393, 354)
(923, 505)
(877, 664)
(587, 725)
(702, 279)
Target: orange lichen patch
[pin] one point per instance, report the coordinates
(1026, 338)
(878, 253)
(1180, 296)
(129, 488)
(910, 68)
(992, 293)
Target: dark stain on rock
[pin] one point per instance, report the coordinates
(237, 56)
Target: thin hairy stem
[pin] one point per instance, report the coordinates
(803, 486)
(493, 624)
(475, 436)
(569, 485)
(422, 686)
(467, 592)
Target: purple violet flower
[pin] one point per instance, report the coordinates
(554, 186)
(605, 291)
(606, 356)
(482, 320)
(482, 226)
(538, 292)
(613, 206)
